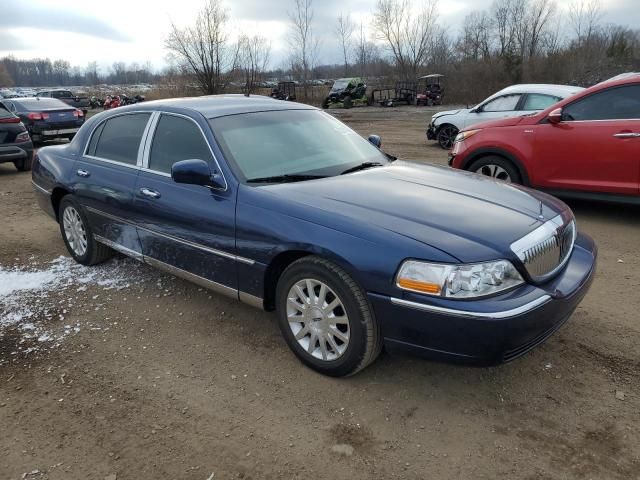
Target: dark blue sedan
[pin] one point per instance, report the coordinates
(285, 208)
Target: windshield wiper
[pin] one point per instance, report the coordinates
(362, 166)
(293, 177)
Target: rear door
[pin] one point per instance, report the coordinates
(596, 147)
(190, 228)
(106, 176)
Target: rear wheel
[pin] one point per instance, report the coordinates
(496, 167)
(325, 318)
(78, 236)
(446, 135)
(23, 165)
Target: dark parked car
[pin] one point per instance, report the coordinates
(283, 207)
(46, 118)
(15, 144)
(83, 103)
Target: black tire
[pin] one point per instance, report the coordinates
(496, 167)
(365, 337)
(347, 102)
(325, 103)
(446, 135)
(95, 252)
(24, 165)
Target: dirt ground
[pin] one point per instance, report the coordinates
(150, 377)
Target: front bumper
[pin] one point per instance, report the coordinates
(487, 331)
(431, 132)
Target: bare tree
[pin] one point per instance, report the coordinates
(303, 40)
(5, 78)
(91, 73)
(540, 14)
(204, 49)
(584, 16)
(407, 31)
(253, 58)
(475, 42)
(345, 29)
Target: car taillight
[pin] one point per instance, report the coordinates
(38, 116)
(78, 113)
(10, 120)
(22, 137)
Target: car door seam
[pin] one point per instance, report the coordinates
(214, 251)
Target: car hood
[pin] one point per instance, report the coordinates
(468, 216)
(450, 112)
(502, 122)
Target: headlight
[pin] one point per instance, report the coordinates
(458, 281)
(462, 136)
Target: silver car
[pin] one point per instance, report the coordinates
(512, 101)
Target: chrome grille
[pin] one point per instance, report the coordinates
(545, 250)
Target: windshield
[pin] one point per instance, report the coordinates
(339, 85)
(291, 142)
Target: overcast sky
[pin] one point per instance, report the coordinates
(81, 31)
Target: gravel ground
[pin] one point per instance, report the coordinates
(121, 372)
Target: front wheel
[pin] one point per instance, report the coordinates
(78, 236)
(446, 136)
(496, 167)
(23, 165)
(325, 318)
(347, 102)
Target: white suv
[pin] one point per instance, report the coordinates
(512, 101)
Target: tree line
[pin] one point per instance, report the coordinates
(512, 41)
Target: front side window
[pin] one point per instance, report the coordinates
(118, 138)
(175, 139)
(505, 103)
(291, 142)
(618, 103)
(539, 101)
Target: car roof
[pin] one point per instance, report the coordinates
(213, 106)
(562, 91)
(38, 103)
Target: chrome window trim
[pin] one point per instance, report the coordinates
(472, 314)
(205, 248)
(115, 162)
(149, 142)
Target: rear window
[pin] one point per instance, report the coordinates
(40, 103)
(118, 139)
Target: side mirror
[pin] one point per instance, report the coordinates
(555, 116)
(375, 140)
(196, 172)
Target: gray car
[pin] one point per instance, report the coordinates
(512, 101)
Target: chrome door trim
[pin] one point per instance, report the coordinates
(252, 300)
(213, 251)
(119, 248)
(144, 141)
(472, 314)
(39, 188)
(198, 280)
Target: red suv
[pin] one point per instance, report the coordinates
(587, 144)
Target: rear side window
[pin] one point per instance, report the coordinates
(176, 139)
(539, 101)
(505, 103)
(619, 103)
(118, 138)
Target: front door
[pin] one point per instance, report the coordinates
(596, 147)
(188, 229)
(105, 177)
(500, 107)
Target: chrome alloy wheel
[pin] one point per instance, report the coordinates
(318, 319)
(495, 171)
(74, 231)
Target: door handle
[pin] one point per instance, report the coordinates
(149, 193)
(82, 173)
(627, 135)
